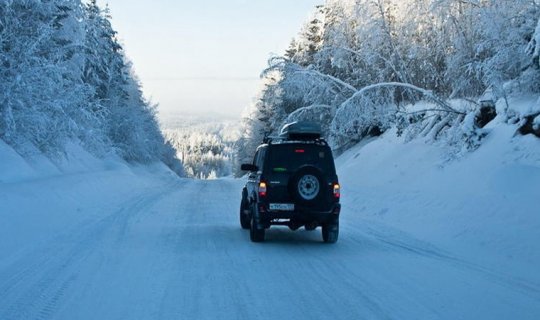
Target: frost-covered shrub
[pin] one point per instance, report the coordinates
(458, 132)
(369, 114)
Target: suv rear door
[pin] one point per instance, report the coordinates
(283, 161)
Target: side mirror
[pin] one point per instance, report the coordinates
(249, 167)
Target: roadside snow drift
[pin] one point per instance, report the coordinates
(483, 206)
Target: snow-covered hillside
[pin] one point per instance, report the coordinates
(483, 207)
(421, 238)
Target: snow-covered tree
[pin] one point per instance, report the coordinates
(303, 50)
(43, 97)
(370, 60)
(64, 78)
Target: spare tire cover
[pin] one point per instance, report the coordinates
(307, 185)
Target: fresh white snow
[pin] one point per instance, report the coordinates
(484, 205)
(421, 237)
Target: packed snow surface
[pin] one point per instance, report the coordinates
(421, 238)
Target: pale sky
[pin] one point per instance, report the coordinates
(205, 56)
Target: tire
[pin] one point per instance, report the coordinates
(245, 219)
(330, 232)
(255, 234)
(307, 185)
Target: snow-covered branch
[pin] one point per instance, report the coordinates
(316, 73)
(426, 93)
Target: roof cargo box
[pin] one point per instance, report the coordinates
(301, 130)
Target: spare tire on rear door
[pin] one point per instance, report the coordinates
(307, 185)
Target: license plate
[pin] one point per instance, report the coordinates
(282, 206)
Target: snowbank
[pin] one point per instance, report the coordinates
(483, 207)
(39, 198)
(16, 168)
(12, 165)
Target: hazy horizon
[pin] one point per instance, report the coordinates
(204, 57)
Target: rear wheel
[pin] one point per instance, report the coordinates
(245, 220)
(256, 234)
(330, 232)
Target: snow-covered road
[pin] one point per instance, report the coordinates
(173, 249)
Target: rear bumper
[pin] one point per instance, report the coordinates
(301, 214)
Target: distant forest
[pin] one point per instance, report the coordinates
(65, 78)
(206, 149)
(436, 69)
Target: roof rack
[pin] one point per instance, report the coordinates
(300, 131)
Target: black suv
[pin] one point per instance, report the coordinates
(292, 182)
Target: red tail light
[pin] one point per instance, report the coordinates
(337, 191)
(262, 189)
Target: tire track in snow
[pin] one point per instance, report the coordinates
(203, 237)
(40, 279)
(401, 242)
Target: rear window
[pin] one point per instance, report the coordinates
(289, 157)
